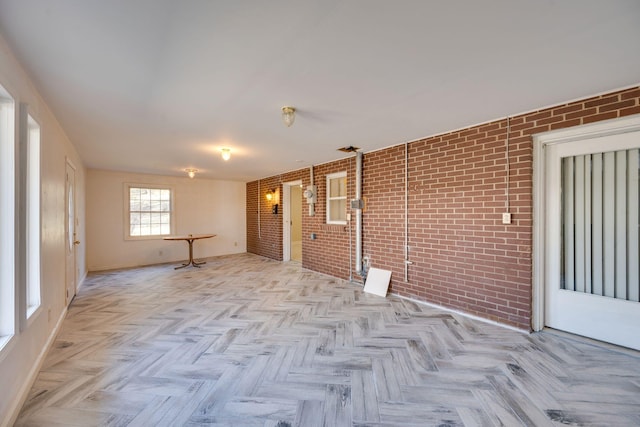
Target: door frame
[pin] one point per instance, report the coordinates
(68, 298)
(286, 218)
(540, 141)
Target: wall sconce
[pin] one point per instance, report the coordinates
(191, 172)
(226, 153)
(272, 196)
(288, 116)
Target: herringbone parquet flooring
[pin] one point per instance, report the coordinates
(246, 341)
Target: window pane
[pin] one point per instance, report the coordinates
(134, 224)
(165, 195)
(334, 187)
(155, 205)
(165, 206)
(155, 218)
(134, 194)
(342, 191)
(165, 229)
(155, 194)
(145, 204)
(134, 218)
(338, 210)
(145, 219)
(134, 204)
(155, 229)
(338, 187)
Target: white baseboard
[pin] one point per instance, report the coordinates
(81, 281)
(22, 395)
(464, 314)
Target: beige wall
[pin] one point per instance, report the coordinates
(19, 359)
(200, 206)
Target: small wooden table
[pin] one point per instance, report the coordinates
(189, 239)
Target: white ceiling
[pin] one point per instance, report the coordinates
(156, 86)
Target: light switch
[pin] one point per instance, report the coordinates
(506, 218)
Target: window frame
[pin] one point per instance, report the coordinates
(329, 199)
(32, 195)
(127, 210)
(8, 219)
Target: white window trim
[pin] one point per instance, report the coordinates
(34, 220)
(328, 208)
(126, 205)
(7, 218)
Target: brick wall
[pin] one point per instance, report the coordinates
(463, 256)
(264, 228)
(329, 252)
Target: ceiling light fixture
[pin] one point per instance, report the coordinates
(288, 116)
(226, 154)
(191, 172)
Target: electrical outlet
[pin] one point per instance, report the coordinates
(160, 252)
(506, 218)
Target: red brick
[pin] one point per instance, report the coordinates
(600, 117)
(607, 99)
(617, 106)
(630, 111)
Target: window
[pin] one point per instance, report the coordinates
(149, 211)
(337, 198)
(7, 216)
(32, 198)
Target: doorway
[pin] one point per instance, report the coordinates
(292, 221)
(587, 245)
(70, 233)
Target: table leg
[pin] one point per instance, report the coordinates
(191, 260)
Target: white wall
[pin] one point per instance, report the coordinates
(19, 359)
(200, 206)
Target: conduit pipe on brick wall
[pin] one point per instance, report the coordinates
(359, 213)
(312, 206)
(406, 213)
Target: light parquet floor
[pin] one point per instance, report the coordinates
(246, 341)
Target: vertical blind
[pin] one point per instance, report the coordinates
(600, 224)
